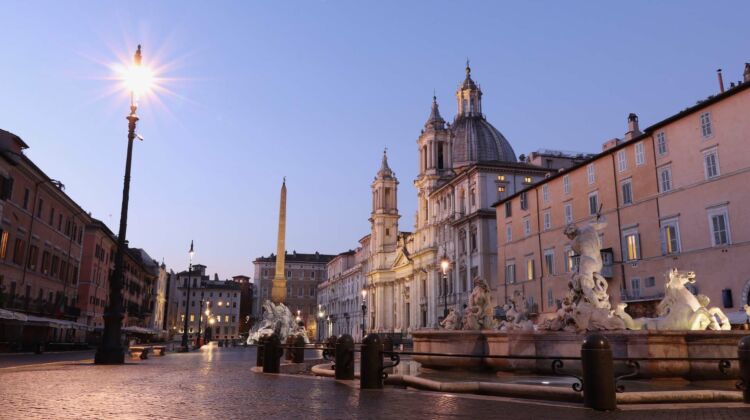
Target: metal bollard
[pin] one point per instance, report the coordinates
(598, 373)
(388, 343)
(298, 353)
(743, 353)
(259, 350)
(272, 354)
(371, 365)
(288, 352)
(345, 357)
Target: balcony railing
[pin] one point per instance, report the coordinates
(637, 296)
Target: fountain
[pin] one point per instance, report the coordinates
(686, 327)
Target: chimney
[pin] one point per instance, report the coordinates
(721, 80)
(633, 130)
(610, 144)
(747, 72)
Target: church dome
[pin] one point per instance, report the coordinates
(476, 140)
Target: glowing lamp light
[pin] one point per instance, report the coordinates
(445, 264)
(364, 294)
(138, 79)
(211, 321)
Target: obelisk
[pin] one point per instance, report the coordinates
(278, 291)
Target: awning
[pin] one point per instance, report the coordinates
(141, 330)
(12, 316)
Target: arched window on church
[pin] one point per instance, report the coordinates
(440, 161)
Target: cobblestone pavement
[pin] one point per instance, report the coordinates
(20, 359)
(217, 383)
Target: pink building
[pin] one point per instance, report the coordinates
(672, 196)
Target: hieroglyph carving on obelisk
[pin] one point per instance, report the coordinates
(278, 291)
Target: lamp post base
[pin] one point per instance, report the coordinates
(111, 351)
(109, 356)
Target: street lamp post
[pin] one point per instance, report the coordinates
(185, 347)
(364, 310)
(445, 264)
(110, 350)
(208, 317)
(200, 317)
(320, 320)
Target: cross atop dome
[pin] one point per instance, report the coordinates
(469, 96)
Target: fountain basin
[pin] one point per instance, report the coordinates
(624, 343)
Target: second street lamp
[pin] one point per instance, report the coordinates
(185, 347)
(444, 265)
(364, 310)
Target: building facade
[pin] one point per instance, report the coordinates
(303, 274)
(340, 297)
(247, 296)
(672, 197)
(463, 167)
(213, 309)
(41, 238)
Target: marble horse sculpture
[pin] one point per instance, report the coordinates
(680, 309)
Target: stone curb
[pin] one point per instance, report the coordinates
(548, 393)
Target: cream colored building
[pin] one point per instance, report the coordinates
(463, 167)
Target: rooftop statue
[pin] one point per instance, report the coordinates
(680, 309)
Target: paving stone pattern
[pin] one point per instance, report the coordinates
(217, 383)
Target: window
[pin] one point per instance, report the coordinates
(627, 193)
(508, 209)
(527, 180)
(501, 177)
(549, 261)
(711, 163)
(622, 161)
(661, 143)
(510, 272)
(529, 269)
(718, 222)
(571, 263)
(500, 189)
(524, 201)
(665, 179)
(26, 199)
(3, 244)
(568, 214)
(631, 246)
(593, 203)
(473, 197)
(635, 289)
(670, 237)
(706, 127)
(591, 173)
(545, 193)
(650, 281)
(473, 239)
(300, 292)
(566, 184)
(550, 298)
(526, 226)
(33, 255)
(192, 317)
(547, 221)
(640, 156)
(508, 233)
(39, 207)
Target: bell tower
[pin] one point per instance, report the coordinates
(384, 216)
(435, 160)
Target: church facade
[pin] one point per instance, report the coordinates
(412, 277)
